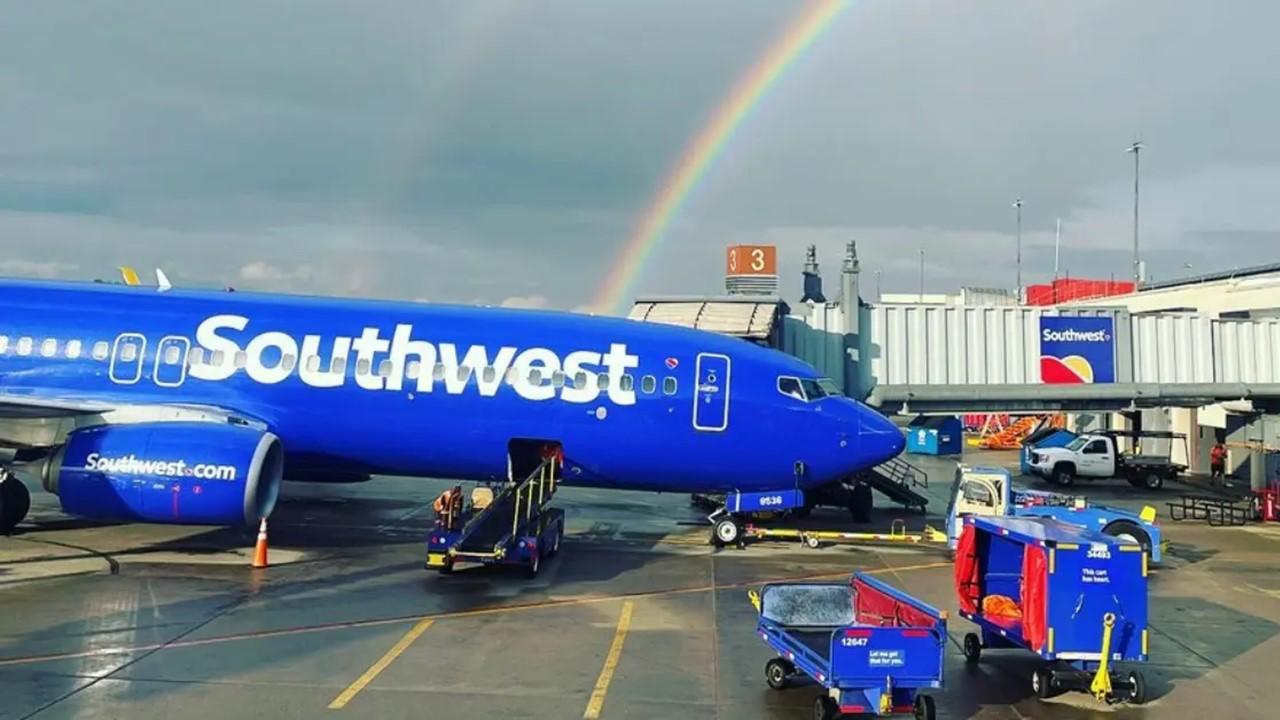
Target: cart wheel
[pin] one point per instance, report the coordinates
(972, 648)
(536, 564)
(447, 567)
(925, 709)
(776, 673)
(726, 532)
(824, 708)
(1042, 682)
(1126, 530)
(1137, 688)
(811, 542)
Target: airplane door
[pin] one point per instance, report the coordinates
(126, 358)
(171, 361)
(711, 395)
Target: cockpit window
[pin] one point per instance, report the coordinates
(790, 386)
(829, 387)
(812, 389)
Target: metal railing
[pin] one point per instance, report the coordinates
(903, 473)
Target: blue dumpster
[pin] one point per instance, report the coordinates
(935, 435)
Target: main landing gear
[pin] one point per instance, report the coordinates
(15, 501)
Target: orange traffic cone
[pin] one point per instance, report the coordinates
(260, 550)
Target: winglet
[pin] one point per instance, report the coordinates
(129, 275)
(162, 281)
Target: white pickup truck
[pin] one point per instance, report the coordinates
(1098, 456)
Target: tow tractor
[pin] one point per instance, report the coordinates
(988, 491)
(511, 525)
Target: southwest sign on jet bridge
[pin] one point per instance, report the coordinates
(191, 406)
(1077, 350)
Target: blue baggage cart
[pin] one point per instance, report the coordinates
(1072, 595)
(869, 646)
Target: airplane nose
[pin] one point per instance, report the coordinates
(879, 439)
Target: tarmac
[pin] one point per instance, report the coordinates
(638, 617)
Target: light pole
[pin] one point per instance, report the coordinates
(1136, 149)
(1018, 288)
(921, 276)
(878, 295)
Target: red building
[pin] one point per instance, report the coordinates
(1069, 289)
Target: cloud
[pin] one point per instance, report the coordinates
(524, 301)
(496, 151)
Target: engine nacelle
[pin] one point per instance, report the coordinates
(168, 472)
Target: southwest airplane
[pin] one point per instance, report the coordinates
(188, 406)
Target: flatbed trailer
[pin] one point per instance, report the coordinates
(870, 646)
(516, 528)
(1074, 597)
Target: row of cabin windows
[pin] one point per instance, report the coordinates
(413, 369)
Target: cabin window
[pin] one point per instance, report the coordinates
(464, 374)
(669, 386)
(557, 379)
(489, 374)
(241, 359)
(580, 380)
(218, 358)
(73, 349)
(24, 346)
(628, 383)
(100, 350)
(171, 354)
(364, 366)
(437, 372)
(602, 382)
(312, 363)
(384, 368)
(195, 356)
(790, 387)
(287, 362)
(338, 365)
(128, 352)
(512, 376)
(4, 343)
(535, 376)
(49, 347)
(648, 384)
(413, 370)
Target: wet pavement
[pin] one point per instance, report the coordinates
(637, 618)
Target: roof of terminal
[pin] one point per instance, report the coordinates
(750, 317)
(1213, 277)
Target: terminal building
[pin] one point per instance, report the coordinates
(1198, 356)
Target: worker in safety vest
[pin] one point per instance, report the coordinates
(1218, 460)
(448, 506)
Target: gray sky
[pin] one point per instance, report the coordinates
(502, 152)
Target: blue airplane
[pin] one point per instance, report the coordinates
(174, 405)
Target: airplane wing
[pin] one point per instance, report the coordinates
(15, 407)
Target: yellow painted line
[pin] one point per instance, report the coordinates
(492, 610)
(596, 703)
(383, 662)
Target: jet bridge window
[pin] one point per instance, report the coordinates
(648, 384)
(668, 386)
(49, 347)
(73, 349)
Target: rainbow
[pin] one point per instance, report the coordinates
(706, 146)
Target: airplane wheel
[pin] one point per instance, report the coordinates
(15, 501)
(726, 532)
